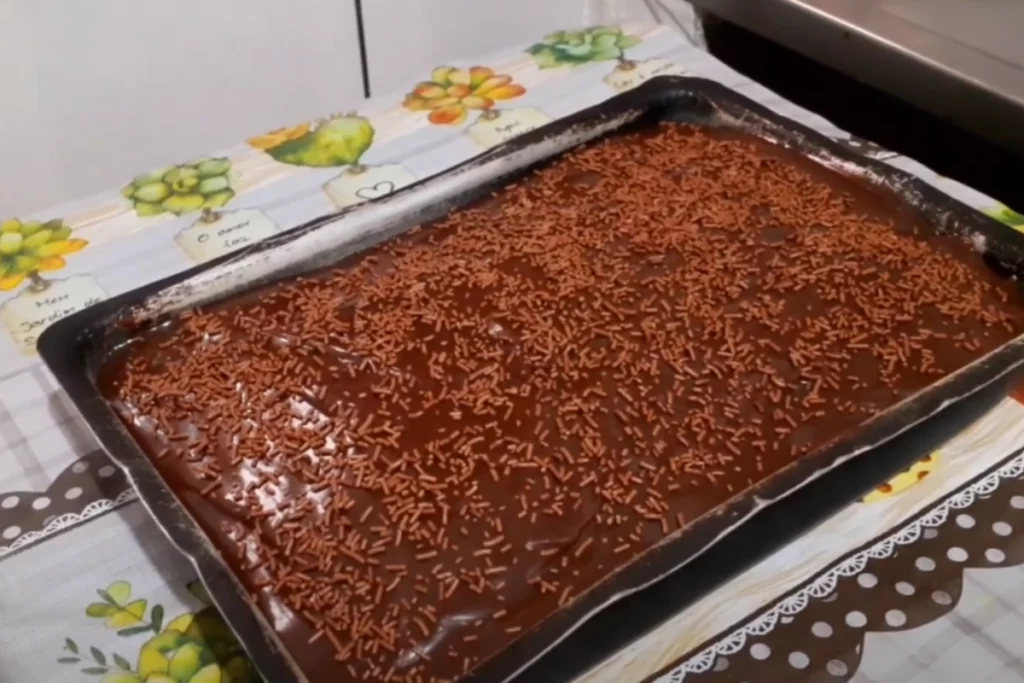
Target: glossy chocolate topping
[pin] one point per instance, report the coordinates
(416, 456)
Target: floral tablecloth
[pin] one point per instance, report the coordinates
(90, 589)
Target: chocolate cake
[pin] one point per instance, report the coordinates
(413, 458)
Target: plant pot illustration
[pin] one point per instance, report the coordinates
(176, 190)
(216, 233)
(338, 140)
(577, 48)
(629, 74)
(600, 44)
(452, 93)
(359, 183)
(495, 126)
(28, 251)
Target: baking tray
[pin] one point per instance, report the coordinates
(75, 347)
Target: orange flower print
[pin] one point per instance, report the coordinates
(919, 471)
(451, 93)
(278, 137)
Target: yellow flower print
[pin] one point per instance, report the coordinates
(904, 480)
(195, 647)
(278, 137)
(117, 607)
(451, 93)
(28, 248)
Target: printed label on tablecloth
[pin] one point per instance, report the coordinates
(495, 127)
(363, 183)
(222, 233)
(39, 306)
(629, 74)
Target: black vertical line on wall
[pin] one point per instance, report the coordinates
(361, 36)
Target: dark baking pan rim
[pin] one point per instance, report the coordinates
(71, 347)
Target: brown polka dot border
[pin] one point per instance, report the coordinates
(815, 634)
(88, 487)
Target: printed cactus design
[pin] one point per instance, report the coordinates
(573, 48)
(339, 140)
(1007, 216)
(195, 647)
(451, 93)
(197, 185)
(28, 248)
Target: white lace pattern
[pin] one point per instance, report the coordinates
(825, 584)
(66, 521)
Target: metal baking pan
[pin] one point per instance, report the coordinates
(77, 346)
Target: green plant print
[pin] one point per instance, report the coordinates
(573, 48)
(335, 141)
(197, 185)
(194, 647)
(119, 611)
(28, 248)
(1006, 215)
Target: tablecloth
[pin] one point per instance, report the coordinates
(921, 580)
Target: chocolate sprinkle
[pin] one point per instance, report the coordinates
(415, 457)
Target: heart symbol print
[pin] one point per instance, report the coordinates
(379, 190)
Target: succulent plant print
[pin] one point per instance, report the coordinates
(573, 48)
(28, 248)
(194, 647)
(451, 93)
(197, 185)
(339, 140)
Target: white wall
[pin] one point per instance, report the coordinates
(676, 13)
(95, 91)
(406, 39)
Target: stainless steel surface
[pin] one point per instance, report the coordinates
(955, 58)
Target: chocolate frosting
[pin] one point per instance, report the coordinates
(414, 457)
